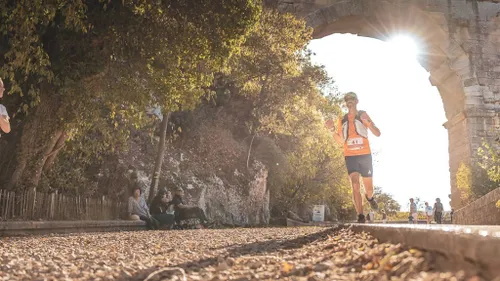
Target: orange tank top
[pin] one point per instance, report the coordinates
(355, 144)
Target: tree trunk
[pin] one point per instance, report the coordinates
(250, 149)
(55, 151)
(159, 157)
(39, 136)
(45, 154)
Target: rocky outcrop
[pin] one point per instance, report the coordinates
(209, 163)
(232, 205)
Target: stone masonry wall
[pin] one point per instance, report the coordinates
(483, 211)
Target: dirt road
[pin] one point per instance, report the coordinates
(228, 254)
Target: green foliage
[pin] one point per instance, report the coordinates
(399, 216)
(476, 180)
(102, 62)
(490, 160)
(385, 202)
(464, 183)
(95, 65)
(274, 72)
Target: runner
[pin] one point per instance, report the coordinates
(353, 134)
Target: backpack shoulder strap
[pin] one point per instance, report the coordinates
(344, 119)
(360, 112)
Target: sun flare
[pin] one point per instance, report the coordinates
(403, 47)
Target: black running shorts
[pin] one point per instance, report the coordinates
(361, 164)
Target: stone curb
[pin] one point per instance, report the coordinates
(475, 249)
(16, 228)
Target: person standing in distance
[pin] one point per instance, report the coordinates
(352, 133)
(4, 116)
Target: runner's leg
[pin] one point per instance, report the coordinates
(356, 193)
(366, 171)
(368, 183)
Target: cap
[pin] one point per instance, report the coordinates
(351, 95)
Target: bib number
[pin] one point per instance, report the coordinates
(355, 143)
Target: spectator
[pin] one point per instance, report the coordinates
(184, 212)
(372, 216)
(162, 209)
(428, 212)
(4, 116)
(137, 207)
(413, 211)
(384, 217)
(438, 211)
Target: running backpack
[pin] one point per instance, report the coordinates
(358, 125)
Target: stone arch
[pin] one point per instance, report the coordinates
(461, 39)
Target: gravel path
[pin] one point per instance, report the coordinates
(227, 254)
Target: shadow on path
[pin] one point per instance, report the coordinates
(255, 248)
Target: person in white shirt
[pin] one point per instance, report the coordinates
(372, 216)
(428, 212)
(4, 116)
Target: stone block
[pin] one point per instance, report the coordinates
(315, 19)
(471, 82)
(487, 81)
(487, 10)
(348, 8)
(476, 88)
(460, 62)
(473, 100)
(493, 74)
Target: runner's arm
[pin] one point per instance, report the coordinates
(337, 138)
(331, 127)
(4, 124)
(337, 133)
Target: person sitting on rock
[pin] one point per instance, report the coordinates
(184, 212)
(162, 209)
(137, 207)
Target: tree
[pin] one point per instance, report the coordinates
(159, 157)
(385, 202)
(478, 178)
(490, 159)
(273, 72)
(81, 67)
(464, 183)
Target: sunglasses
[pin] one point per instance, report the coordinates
(348, 99)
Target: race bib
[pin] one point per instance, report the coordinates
(355, 143)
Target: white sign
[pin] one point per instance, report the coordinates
(318, 213)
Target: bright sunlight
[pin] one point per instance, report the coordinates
(403, 47)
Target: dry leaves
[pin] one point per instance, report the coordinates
(231, 254)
